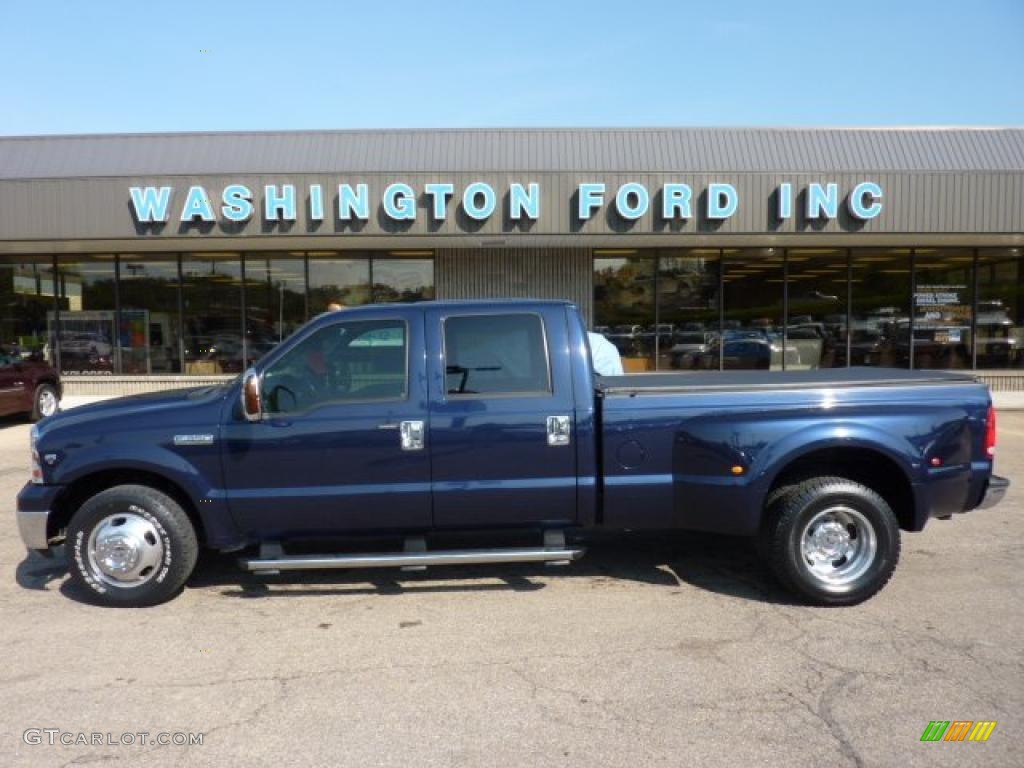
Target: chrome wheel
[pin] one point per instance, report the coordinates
(125, 550)
(47, 404)
(838, 546)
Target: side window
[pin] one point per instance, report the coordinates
(345, 362)
(495, 355)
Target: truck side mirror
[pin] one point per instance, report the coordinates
(252, 402)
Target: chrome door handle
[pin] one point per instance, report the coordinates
(412, 435)
(559, 430)
(388, 426)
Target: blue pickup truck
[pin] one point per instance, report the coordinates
(410, 421)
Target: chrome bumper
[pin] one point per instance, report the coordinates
(32, 527)
(997, 487)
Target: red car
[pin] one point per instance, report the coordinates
(28, 385)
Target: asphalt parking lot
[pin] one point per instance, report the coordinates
(651, 651)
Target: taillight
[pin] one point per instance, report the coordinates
(990, 433)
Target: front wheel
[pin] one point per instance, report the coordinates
(832, 541)
(131, 546)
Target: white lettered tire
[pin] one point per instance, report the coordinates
(131, 546)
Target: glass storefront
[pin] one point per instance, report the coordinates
(191, 313)
(85, 323)
(754, 305)
(26, 303)
(624, 305)
(999, 315)
(664, 309)
(804, 308)
(150, 315)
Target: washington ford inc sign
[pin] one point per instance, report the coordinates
(479, 201)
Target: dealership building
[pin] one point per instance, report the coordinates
(134, 262)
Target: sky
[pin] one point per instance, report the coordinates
(111, 66)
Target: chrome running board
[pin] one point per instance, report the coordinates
(272, 558)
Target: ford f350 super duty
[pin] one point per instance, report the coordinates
(411, 420)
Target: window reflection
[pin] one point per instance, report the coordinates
(275, 298)
(1000, 323)
(817, 308)
(86, 331)
(879, 329)
(403, 279)
(624, 305)
(336, 280)
(212, 298)
(150, 329)
(26, 303)
(752, 335)
(942, 308)
(688, 308)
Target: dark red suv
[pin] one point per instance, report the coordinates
(28, 385)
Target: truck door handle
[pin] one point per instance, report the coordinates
(390, 425)
(412, 435)
(559, 430)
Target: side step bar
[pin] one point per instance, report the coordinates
(272, 558)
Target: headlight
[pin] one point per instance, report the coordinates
(37, 468)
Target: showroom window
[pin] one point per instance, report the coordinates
(336, 279)
(211, 292)
(943, 302)
(754, 304)
(880, 309)
(817, 297)
(688, 308)
(403, 276)
(85, 329)
(275, 299)
(624, 305)
(150, 324)
(1000, 308)
(27, 307)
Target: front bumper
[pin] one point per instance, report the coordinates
(997, 487)
(32, 527)
(35, 503)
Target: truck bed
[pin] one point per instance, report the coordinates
(731, 381)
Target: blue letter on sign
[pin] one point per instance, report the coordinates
(473, 191)
(622, 203)
(353, 204)
(785, 201)
(861, 191)
(440, 194)
(676, 197)
(400, 202)
(150, 203)
(237, 202)
(822, 202)
(197, 203)
(279, 206)
(591, 196)
(524, 202)
(722, 201)
(316, 202)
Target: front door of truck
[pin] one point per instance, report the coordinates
(341, 447)
(501, 424)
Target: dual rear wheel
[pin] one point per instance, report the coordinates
(830, 540)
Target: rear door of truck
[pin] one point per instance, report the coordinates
(502, 419)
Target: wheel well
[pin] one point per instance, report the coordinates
(863, 465)
(86, 487)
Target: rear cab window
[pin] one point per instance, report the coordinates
(495, 355)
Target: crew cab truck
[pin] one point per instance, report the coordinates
(406, 421)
